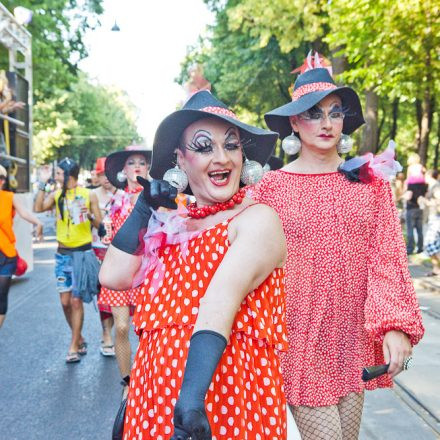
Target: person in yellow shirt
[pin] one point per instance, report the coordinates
(10, 204)
(76, 267)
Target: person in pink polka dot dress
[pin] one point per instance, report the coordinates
(210, 317)
(350, 300)
(122, 169)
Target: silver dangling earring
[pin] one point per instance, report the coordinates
(121, 176)
(252, 172)
(177, 178)
(291, 144)
(345, 144)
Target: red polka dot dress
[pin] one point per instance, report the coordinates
(347, 281)
(109, 298)
(245, 399)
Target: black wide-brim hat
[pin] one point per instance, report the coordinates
(115, 162)
(311, 87)
(258, 143)
(275, 163)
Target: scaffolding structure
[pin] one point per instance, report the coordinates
(18, 41)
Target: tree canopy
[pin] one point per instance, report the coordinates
(73, 116)
(57, 29)
(389, 50)
(89, 121)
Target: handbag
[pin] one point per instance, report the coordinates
(21, 266)
(118, 425)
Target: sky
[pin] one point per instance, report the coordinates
(144, 57)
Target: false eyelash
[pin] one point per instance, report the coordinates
(192, 146)
(315, 109)
(246, 142)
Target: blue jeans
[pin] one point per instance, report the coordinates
(414, 220)
(63, 272)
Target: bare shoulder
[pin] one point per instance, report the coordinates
(257, 219)
(93, 196)
(258, 229)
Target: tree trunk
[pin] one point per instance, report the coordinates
(418, 104)
(425, 126)
(395, 115)
(339, 63)
(437, 147)
(369, 136)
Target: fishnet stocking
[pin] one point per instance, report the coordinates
(333, 422)
(350, 412)
(121, 316)
(318, 423)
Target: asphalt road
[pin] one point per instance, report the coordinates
(43, 398)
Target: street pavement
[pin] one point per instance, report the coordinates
(43, 398)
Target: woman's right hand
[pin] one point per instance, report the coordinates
(39, 231)
(191, 424)
(158, 193)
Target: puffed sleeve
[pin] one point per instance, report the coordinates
(391, 299)
(259, 192)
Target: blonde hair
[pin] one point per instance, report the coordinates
(413, 159)
(3, 171)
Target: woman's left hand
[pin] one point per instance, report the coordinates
(39, 231)
(396, 348)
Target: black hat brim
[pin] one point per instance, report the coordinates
(258, 146)
(278, 119)
(115, 162)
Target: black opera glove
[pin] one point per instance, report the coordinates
(155, 194)
(158, 193)
(190, 419)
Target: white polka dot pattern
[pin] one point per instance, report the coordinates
(246, 398)
(347, 281)
(118, 298)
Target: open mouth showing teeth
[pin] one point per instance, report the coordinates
(219, 176)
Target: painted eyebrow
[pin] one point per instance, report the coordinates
(331, 106)
(201, 131)
(229, 130)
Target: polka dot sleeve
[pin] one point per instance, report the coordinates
(391, 302)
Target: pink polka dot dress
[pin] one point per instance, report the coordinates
(245, 399)
(109, 298)
(347, 281)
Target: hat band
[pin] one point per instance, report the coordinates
(219, 111)
(310, 88)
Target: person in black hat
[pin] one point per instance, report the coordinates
(122, 169)
(213, 274)
(350, 299)
(76, 266)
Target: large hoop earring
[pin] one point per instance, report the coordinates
(291, 144)
(252, 172)
(177, 178)
(345, 144)
(121, 176)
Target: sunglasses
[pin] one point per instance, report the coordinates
(2, 177)
(318, 117)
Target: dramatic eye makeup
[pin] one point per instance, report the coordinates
(132, 162)
(336, 112)
(232, 141)
(202, 141)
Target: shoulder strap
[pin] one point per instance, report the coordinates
(244, 209)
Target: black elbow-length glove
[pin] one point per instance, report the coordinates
(190, 420)
(155, 194)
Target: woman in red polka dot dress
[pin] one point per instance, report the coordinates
(210, 318)
(350, 301)
(122, 169)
